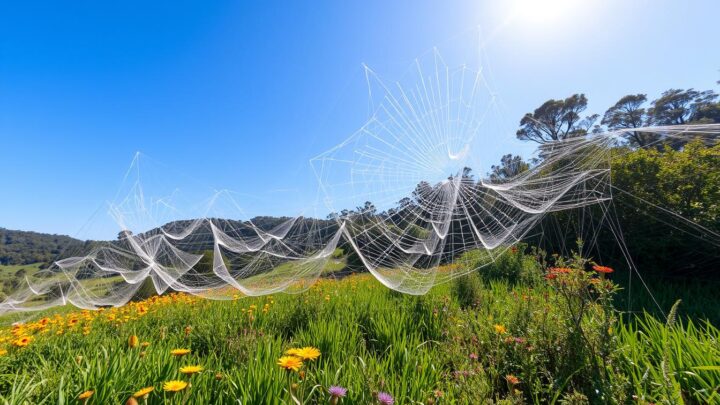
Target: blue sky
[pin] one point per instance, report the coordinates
(240, 96)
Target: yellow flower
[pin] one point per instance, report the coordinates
(190, 370)
(175, 385)
(290, 363)
(86, 394)
(500, 329)
(133, 341)
(308, 353)
(145, 344)
(179, 352)
(3, 352)
(23, 341)
(292, 352)
(143, 393)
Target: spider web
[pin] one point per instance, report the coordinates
(408, 172)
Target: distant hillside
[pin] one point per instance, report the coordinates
(22, 247)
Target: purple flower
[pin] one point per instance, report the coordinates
(385, 399)
(337, 391)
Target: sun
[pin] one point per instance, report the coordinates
(546, 14)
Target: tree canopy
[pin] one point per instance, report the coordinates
(556, 120)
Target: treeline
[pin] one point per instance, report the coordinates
(665, 190)
(556, 120)
(21, 247)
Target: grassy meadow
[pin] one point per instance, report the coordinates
(510, 334)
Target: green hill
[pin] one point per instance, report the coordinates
(22, 247)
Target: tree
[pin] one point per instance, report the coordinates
(124, 234)
(628, 113)
(678, 107)
(509, 167)
(556, 120)
(367, 209)
(422, 192)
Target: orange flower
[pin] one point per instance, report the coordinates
(512, 379)
(85, 395)
(603, 269)
(560, 270)
(23, 341)
(133, 341)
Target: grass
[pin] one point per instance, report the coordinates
(7, 272)
(510, 338)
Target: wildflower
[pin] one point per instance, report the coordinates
(385, 399)
(72, 322)
(179, 352)
(218, 376)
(133, 341)
(512, 380)
(145, 344)
(85, 395)
(3, 352)
(190, 370)
(131, 401)
(23, 341)
(290, 363)
(500, 329)
(292, 352)
(560, 270)
(550, 276)
(603, 269)
(473, 356)
(308, 353)
(188, 329)
(336, 391)
(175, 386)
(143, 393)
